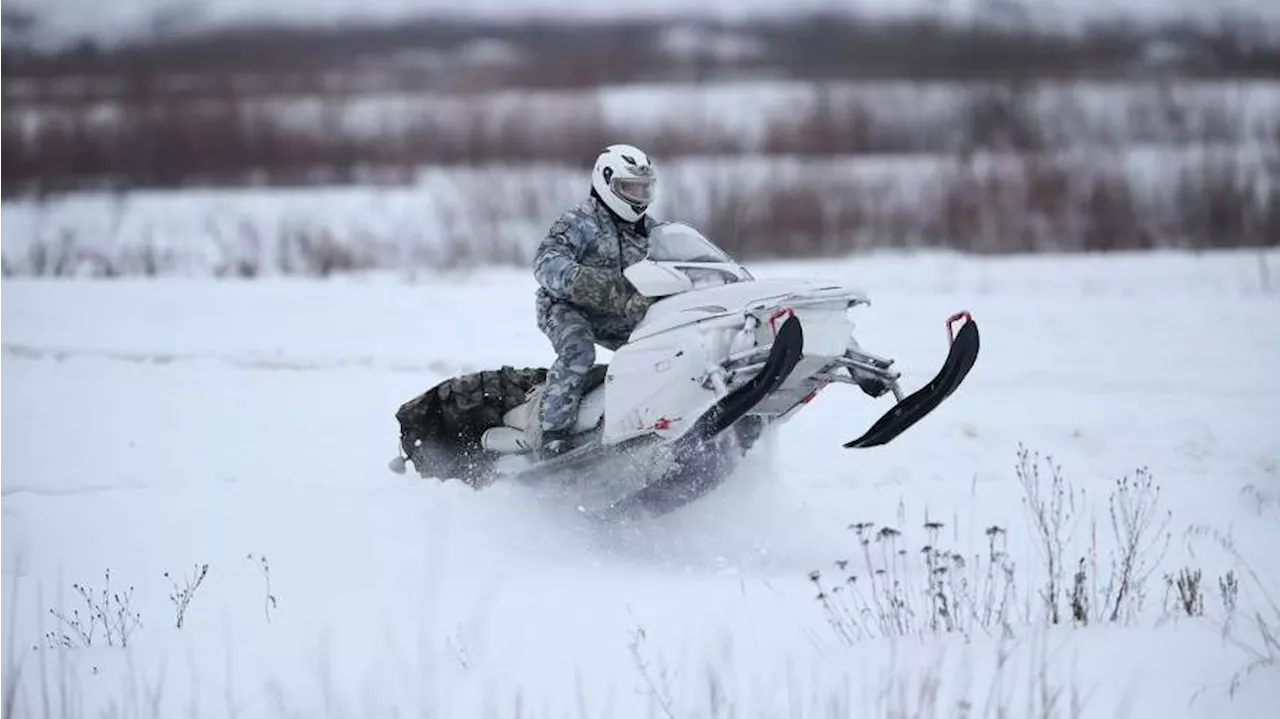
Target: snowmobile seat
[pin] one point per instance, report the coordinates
(519, 416)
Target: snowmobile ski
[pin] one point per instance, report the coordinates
(914, 407)
(783, 356)
(696, 473)
(788, 348)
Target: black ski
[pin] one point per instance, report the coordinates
(788, 348)
(913, 408)
(699, 469)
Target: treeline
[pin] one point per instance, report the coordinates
(471, 55)
(152, 140)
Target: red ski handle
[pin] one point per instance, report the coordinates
(963, 314)
(777, 315)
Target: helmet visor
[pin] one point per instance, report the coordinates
(636, 190)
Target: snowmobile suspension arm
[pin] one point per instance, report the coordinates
(892, 384)
(861, 365)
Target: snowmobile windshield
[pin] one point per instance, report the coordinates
(677, 242)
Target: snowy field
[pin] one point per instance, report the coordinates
(153, 426)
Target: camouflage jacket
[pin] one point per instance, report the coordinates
(581, 259)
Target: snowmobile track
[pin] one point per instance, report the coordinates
(440, 429)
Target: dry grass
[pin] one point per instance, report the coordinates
(1058, 203)
(899, 585)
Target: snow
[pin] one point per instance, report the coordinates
(155, 425)
(63, 19)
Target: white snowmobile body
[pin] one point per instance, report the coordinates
(701, 339)
(719, 350)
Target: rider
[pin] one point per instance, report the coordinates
(583, 299)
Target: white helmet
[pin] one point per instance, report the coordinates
(624, 178)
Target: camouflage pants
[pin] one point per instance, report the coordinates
(574, 337)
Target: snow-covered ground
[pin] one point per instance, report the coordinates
(156, 425)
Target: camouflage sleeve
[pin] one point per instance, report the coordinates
(556, 262)
(556, 268)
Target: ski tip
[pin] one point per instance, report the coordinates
(970, 326)
(919, 404)
(791, 331)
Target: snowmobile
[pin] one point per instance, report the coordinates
(720, 358)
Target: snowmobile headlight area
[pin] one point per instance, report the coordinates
(708, 276)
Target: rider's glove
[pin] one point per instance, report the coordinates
(598, 289)
(603, 291)
(636, 306)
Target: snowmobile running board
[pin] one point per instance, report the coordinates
(913, 408)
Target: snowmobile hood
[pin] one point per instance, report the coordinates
(738, 298)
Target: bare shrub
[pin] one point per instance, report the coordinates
(809, 213)
(67, 252)
(1112, 216)
(656, 683)
(1065, 204)
(313, 252)
(1000, 118)
(938, 590)
(240, 255)
(105, 609)
(269, 601)
(1139, 531)
(54, 257)
(1188, 591)
(1253, 628)
(1081, 598)
(892, 595)
(1141, 534)
(1053, 513)
(841, 123)
(1224, 201)
(181, 596)
(1229, 590)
